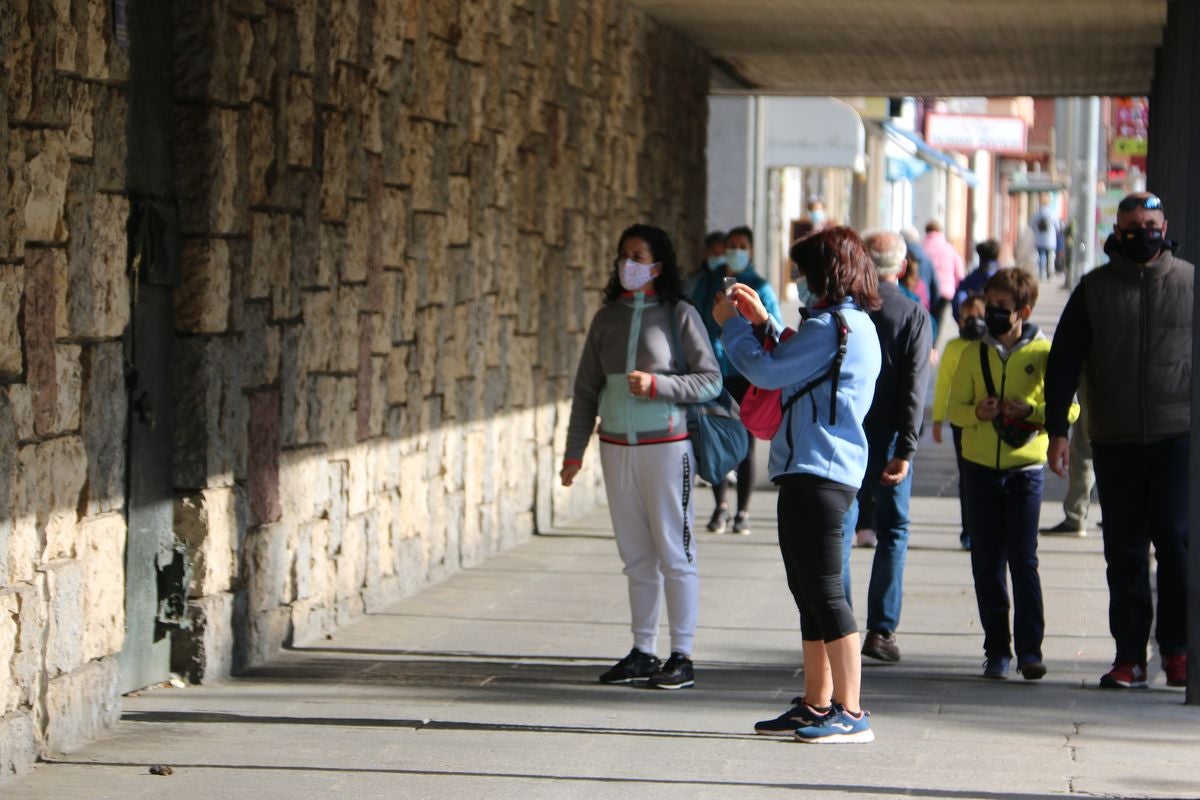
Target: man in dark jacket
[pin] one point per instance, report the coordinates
(892, 425)
(1128, 328)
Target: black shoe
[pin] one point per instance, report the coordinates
(800, 715)
(881, 645)
(719, 521)
(1031, 668)
(677, 673)
(1065, 528)
(741, 523)
(637, 666)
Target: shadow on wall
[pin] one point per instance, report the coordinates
(395, 223)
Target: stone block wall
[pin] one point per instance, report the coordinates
(64, 303)
(397, 219)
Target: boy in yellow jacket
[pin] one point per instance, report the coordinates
(997, 397)
(971, 329)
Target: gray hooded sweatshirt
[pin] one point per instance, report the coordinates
(634, 333)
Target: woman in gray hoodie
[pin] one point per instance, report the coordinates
(647, 355)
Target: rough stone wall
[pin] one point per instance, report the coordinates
(398, 219)
(398, 216)
(64, 303)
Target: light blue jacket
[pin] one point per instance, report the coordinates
(807, 443)
(703, 291)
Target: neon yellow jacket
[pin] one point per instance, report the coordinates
(945, 374)
(1019, 374)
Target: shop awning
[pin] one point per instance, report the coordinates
(919, 148)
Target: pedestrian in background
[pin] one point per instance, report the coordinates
(739, 265)
(818, 460)
(988, 252)
(916, 255)
(1081, 478)
(971, 328)
(631, 376)
(1045, 237)
(947, 265)
(997, 397)
(712, 261)
(893, 427)
(1127, 328)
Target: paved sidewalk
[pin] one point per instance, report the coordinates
(485, 686)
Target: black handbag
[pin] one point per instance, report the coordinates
(1015, 433)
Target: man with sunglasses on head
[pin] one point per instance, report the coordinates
(1128, 329)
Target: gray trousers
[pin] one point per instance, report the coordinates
(1080, 477)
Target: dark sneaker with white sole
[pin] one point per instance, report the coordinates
(637, 666)
(741, 523)
(800, 715)
(677, 673)
(719, 521)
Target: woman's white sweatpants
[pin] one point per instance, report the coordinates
(649, 491)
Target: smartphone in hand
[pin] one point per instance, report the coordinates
(727, 284)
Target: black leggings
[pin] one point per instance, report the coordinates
(811, 513)
(738, 386)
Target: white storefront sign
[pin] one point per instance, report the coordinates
(813, 132)
(970, 133)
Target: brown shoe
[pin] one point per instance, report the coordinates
(881, 645)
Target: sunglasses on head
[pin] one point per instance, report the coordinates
(1149, 202)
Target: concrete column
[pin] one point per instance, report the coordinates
(1090, 176)
(1174, 175)
(732, 139)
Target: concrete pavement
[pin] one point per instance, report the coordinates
(485, 685)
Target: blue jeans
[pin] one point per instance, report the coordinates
(1002, 515)
(1144, 497)
(886, 590)
(1045, 259)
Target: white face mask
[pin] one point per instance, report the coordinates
(635, 275)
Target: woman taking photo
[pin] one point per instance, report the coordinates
(818, 459)
(646, 355)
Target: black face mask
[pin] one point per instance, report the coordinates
(1140, 245)
(998, 320)
(974, 328)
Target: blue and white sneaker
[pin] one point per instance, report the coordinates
(838, 727)
(800, 715)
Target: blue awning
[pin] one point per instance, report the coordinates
(905, 168)
(929, 154)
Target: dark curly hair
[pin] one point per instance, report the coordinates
(837, 266)
(668, 285)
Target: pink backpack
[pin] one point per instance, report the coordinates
(762, 410)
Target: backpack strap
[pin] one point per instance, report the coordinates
(985, 366)
(833, 374)
(676, 344)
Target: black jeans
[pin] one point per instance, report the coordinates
(1002, 514)
(811, 513)
(738, 386)
(1144, 497)
(964, 535)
